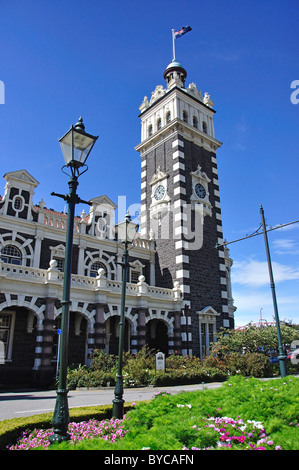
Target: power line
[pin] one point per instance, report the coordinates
(256, 233)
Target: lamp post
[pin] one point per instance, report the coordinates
(126, 232)
(281, 357)
(76, 145)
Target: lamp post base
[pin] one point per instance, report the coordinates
(282, 365)
(60, 418)
(118, 408)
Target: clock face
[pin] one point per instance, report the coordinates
(159, 192)
(200, 191)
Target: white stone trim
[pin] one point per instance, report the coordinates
(181, 244)
(182, 259)
(178, 166)
(177, 154)
(185, 289)
(177, 142)
(182, 273)
(179, 178)
(179, 190)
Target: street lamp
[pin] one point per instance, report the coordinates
(126, 232)
(281, 357)
(76, 145)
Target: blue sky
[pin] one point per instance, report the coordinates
(62, 59)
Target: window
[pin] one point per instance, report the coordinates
(168, 117)
(150, 130)
(135, 271)
(195, 122)
(60, 263)
(94, 268)
(7, 321)
(204, 127)
(18, 203)
(159, 123)
(134, 276)
(11, 254)
(185, 116)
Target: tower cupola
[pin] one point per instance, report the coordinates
(175, 75)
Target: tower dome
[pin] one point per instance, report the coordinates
(175, 74)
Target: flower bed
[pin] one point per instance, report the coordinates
(243, 414)
(109, 430)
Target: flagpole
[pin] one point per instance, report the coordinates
(173, 46)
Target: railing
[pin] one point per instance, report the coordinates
(100, 283)
(22, 272)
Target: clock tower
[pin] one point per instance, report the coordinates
(180, 205)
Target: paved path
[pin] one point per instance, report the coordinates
(30, 402)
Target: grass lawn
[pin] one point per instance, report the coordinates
(242, 414)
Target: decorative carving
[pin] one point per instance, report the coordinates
(192, 90)
(157, 93)
(207, 100)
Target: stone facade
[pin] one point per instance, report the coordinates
(180, 204)
(178, 290)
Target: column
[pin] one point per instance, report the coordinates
(177, 337)
(207, 339)
(45, 371)
(141, 329)
(99, 328)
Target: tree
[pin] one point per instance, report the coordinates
(253, 339)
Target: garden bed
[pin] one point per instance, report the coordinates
(242, 414)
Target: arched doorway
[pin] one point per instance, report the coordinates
(112, 335)
(157, 335)
(18, 332)
(77, 346)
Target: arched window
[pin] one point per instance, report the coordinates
(94, 268)
(150, 130)
(159, 123)
(204, 127)
(11, 254)
(168, 116)
(185, 116)
(195, 122)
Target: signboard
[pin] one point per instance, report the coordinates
(160, 361)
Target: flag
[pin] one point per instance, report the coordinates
(182, 31)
